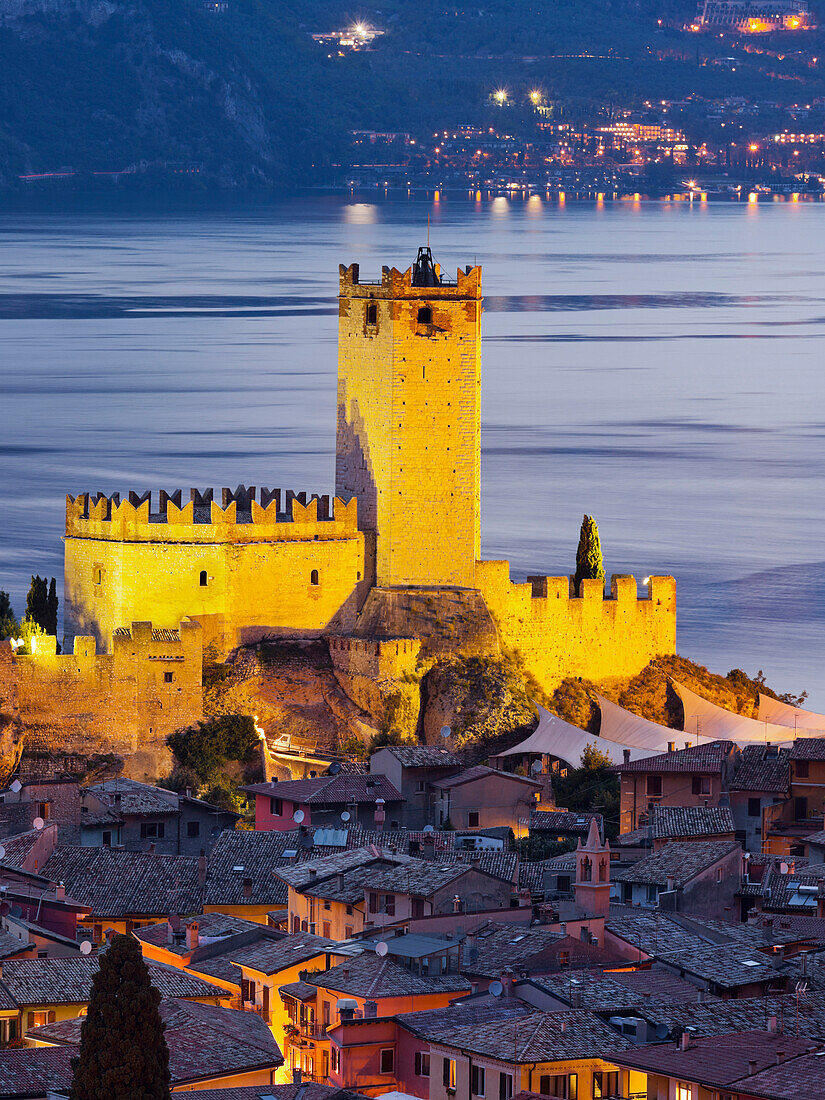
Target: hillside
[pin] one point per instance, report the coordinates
(236, 92)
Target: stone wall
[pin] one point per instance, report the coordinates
(125, 702)
(559, 635)
(243, 570)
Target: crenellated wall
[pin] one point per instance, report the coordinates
(124, 702)
(243, 568)
(560, 635)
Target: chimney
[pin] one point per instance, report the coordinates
(174, 922)
(671, 746)
(247, 887)
(626, 753)
(772, 1025)
(684, 1041)
(340, 880)
(370, 1010)
(192, 935)
(780, 1054)
(456, 903)
(60, 891)
(751, 1067)
(152, 848)
(688, 744)
(428, 846)
(202, 870)
(188, 792)
(296, 1075)
(507, 981)
(671, 883)
(312, 872)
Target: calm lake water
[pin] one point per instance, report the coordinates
(657, 365)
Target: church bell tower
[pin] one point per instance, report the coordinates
(409, 419)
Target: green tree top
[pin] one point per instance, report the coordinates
(123, 1053)
(589, 563)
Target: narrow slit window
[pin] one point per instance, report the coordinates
(204, 579)
(313, 577)
(372, 313)
(425, 316)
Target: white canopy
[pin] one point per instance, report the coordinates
(555, 737)
(719, 724)
(627, 728)
(783, 714)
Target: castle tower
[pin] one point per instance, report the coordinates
(409, 419)
(592, 887)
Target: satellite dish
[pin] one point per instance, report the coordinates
(345, 815)
(381, 948)
(334, 768)
(38, 823)
(535, 767)
(429, 829)
(17, 786)
(662, 1031)
(216, 830)
(446, 732)
(2, 852)
(86, 948)
(298, 816)
(496, 989)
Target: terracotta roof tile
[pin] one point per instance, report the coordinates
(675, 822)
(761, 770)
(698, 758)
(270, 956)
(808, 748)
(480, 771)
(679, 860)
(423, 756)
(373, 977)
(69, 980)
(540, 1037)
(32, 1072)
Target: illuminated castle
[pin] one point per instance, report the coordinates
(394, 555)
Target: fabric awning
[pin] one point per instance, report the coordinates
(555, 737)
(783, 714)
(627, 728)
(724, 725)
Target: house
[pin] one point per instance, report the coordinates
(481, 797)
(694, 776)
(35, 1074)
(297, 1090)
(669, 823)
(412, 770)
(50, 990)
(138, 817)
(725, 1065)
(563, 824)
(342, 895)
(54, 800)
(562, 1054)
(241, 880)
(787, 823)
(366, 987)
(760, 784)
(604, 992)
(208, 1046)
(366, 800)
(700, 877)
(727, 970)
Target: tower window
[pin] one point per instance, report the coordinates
(372, 313)
(313, 577)
(425, 316)
(204, 580)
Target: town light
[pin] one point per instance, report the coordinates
(753, 148)
(535, 97)
(500, 96)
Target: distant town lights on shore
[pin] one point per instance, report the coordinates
(500, 95)
(536, 97)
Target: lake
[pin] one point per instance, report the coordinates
(658, 365)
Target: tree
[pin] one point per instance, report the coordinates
(37, 604)
(123, 1053)
(51, 608)
(593, 759)
(589, 563)
(9, 626)
(206, 747)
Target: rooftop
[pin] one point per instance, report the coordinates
(728, 967)
(422, 756)
(808, 748)
(562, 821)
(672, 822)
(679, 860)
(762, 769)
(540, 1037)
(481, 771)
(32, 1072)
(270, 956)
(706, 759)
(336, 790)
(370, 976)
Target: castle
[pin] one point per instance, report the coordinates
(390, 568)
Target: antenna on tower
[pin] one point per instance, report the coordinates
(428, 231)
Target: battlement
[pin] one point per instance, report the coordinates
(623, 588)
(399, 284)
(245, 514)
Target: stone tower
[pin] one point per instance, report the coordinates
(592, 887)
(409, 419)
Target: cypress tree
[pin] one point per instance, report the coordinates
(123, 1054)
(51, 608)
(37, 603)
(589, 563)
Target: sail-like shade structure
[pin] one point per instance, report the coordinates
(724, 725)
(783, 714)
(555, 737)
(626, 728)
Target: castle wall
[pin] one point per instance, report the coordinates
(370, 670)
(125, 702)
(558, 635)
(264, 571)
(409, 422)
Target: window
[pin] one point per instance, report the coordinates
(325, 1014)
(448, 1074)
(107, 838)
(193, 828)
(43, 809)
(204, 579)
(562, 1085)
(388, 1060)
(313, 577)
(472, 819)
(718, 875)
(349, 910)
(477, 1081)
(683, 1091)
(505, 1086)
(374, 903)
(654, 786)
(652, 892)
(425, 316)
(422, 1063)
(421, 786)
(605, 1084)
(335, 1058)
(389, 904)
(417, 907)
(701, 784)
(801, 809)
(754, 807)
(168, 677)
(801, 767)
(152, 830)
(327, 930)
(347, 931)
(276, 807)
(98, 575)
(372, 313)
